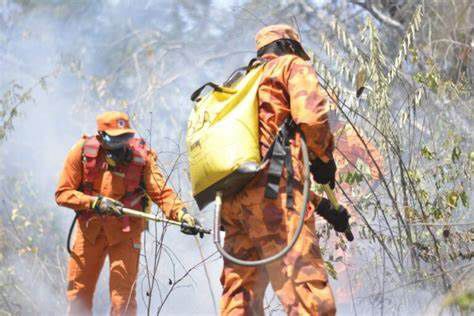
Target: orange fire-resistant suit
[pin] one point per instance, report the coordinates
(257, 227)
(98, 236)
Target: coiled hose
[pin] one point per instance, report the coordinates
(284, 251)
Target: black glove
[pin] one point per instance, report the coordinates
(339, 218)
(324, 172)
(107, 206)
(185, 218)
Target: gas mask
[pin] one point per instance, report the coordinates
(116, 148)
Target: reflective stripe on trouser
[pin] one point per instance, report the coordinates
(84, 268)
(257, 228)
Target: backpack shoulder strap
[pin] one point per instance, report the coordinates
(134, 170)
(91, 167)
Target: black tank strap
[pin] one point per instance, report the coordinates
(279, 155)
(290, 178)
(276, 154)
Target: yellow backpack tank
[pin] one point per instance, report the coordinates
(222, 137)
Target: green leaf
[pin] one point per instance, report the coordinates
(464, 300)
(430, 79)
(330, 269)
(424, 196)
(428, 154)
(452, 199)
(414, 53)
(414, 175)
(464, 198)
(352, 177)
(456, 154)
(435, 212)
(419, 77)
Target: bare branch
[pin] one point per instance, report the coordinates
(376, 13)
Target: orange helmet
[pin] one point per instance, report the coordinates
(275, 32)
(114, 123)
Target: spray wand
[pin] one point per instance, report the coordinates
(155, 218)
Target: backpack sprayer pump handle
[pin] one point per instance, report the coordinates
(335, 204)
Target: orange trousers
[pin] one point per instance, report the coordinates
(257, 228)
(85, 264)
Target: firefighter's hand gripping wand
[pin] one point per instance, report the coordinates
(335, 205)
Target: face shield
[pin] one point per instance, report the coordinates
(116, 148)
(113, 143)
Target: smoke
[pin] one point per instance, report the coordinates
(74, 57)
(80, 58)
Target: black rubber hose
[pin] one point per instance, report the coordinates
(69, 235)
(284, 251)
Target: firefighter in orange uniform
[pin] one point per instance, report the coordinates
(102, 174)
(258, 224)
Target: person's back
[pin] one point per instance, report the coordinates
(290, 80)
(261, 219)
